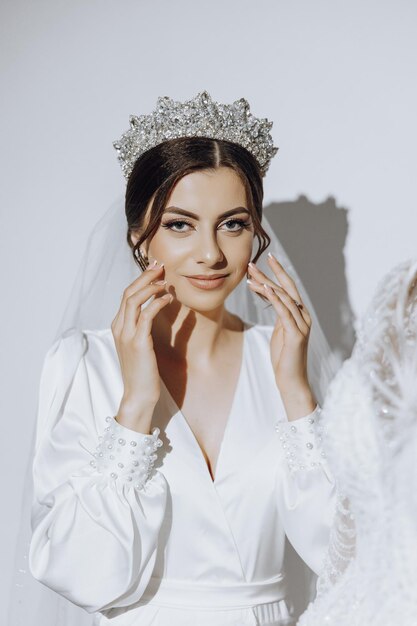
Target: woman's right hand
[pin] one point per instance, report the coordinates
(131, 330)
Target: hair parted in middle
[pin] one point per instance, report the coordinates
(157, 171)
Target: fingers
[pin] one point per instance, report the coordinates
(300, 314)
(285, 279)
(146, 317)
(286, 308)
(288, 285)
(133, 304)
(289, 313)
(145, 278)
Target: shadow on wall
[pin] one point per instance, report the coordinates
(314, 236)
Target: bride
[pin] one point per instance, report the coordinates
(178, 446)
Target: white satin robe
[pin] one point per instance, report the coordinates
(184, 550)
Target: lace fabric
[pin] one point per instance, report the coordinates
(370, 420)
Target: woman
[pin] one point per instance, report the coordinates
(188, 528)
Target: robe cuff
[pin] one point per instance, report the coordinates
(301, 441)
(126, 455)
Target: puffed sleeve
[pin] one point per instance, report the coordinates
(306, 489)
(98, 502)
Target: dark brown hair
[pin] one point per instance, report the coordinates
(156, 172)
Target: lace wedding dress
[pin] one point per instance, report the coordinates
(370, 420)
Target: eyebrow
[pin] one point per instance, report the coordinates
(174, 209)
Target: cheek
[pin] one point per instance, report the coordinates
(175, 254)
(240, 256)
(166, 248)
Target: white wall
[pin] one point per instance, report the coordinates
(338, 80)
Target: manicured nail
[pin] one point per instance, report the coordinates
(267, 287)
(271, 256)
(251, 264)
(248, 280)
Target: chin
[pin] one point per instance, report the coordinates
(201, 299)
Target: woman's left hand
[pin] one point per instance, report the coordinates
(289, 342)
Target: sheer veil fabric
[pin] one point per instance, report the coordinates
(371, 566)
(106, 269)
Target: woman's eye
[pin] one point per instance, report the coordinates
(170, 225)
(241, 224)
(177, 225)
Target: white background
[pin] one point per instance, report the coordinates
(338, 79)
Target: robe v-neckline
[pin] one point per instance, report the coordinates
(246, 327)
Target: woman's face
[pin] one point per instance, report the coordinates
(206, 229)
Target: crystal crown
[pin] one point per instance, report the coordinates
(199, 117)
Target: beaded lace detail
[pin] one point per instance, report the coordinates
(369, 573)
(301, 441)
(125, 454)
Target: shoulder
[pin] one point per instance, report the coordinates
(85, 338)
(75, 344)
(100, 348)
(69, 343)
(99, 338)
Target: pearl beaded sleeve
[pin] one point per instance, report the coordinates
(126, 454)
(96, 520)
(301, 441)
(305, 487)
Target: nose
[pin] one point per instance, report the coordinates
(208, 249)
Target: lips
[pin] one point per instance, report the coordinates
(207, 282)
(207, 276)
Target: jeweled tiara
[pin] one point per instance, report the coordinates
(199, 117)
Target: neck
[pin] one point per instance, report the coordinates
(190, 335)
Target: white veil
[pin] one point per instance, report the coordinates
(106, 268)
(369, 574)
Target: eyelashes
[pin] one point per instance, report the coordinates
(242, 225)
